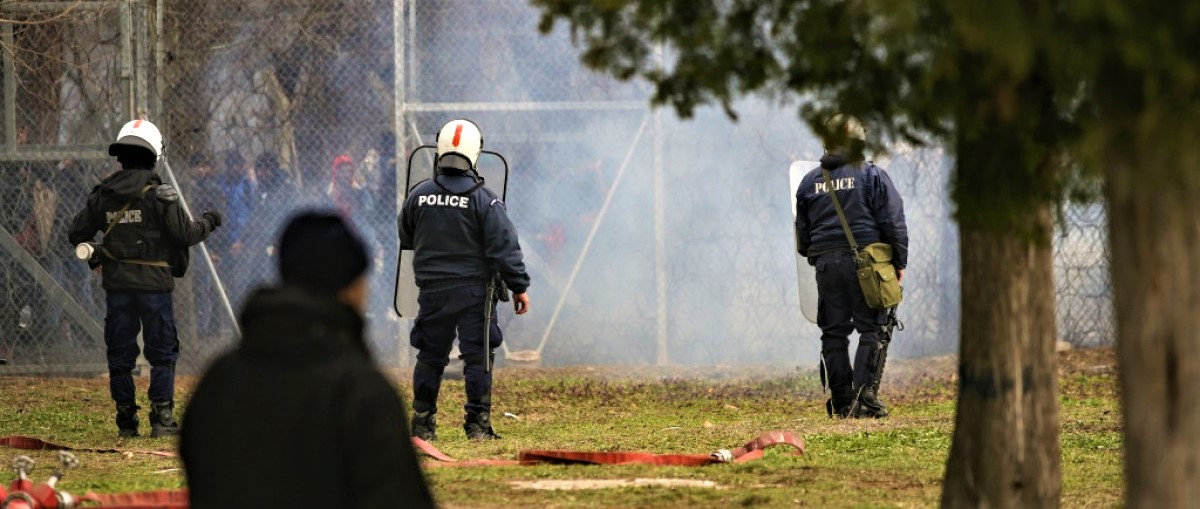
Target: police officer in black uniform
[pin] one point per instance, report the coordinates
(875, 213)
(462, 238)
(145, 241)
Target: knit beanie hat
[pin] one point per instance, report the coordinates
(321, 252)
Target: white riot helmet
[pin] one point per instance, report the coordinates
(462, 137)
(844, 130)
(138, 133)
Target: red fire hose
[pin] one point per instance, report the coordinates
(22, 494)
(750, 451)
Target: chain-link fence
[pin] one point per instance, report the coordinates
(650, 239)
(63, 90)
(1084, 290)
(273, 107)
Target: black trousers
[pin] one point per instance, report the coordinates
(153, 315)
(443, 316)
(842, 309)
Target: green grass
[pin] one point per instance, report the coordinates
(896, 462)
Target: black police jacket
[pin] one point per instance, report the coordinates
(154, 228)
(460, 233)
(298, 416)
(872, 205)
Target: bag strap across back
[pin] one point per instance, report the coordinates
(837, 206)
(121, 213)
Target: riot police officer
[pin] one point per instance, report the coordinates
(874, 212)
(461, 239)
(146, 235)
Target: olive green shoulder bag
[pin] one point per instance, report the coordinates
(876, 274)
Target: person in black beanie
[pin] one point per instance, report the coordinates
(297, 413)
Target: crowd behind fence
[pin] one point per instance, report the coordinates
(650, 239)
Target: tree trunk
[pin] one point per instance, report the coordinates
(281, 108)
(1005, 451)
(1154, 203)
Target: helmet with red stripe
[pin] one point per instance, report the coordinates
(459, 137)
(138, 134)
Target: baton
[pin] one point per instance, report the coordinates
(489, 305)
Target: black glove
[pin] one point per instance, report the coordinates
(213, 217)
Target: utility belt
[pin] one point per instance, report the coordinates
(450, 284)
(496, 285)
(840, 251)
(87, 251)
(134, 261)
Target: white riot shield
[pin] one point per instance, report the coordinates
(494, 170)
(806, 275)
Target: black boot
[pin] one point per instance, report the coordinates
(424, 426)
(868, 371)
(479, 426)
(839, 404)
(162, 419)
(127, 420)
(868, 405)
(837, 375)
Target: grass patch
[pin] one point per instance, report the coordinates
(896, 462)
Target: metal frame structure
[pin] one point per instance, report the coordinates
(141, 46)
(14, 152)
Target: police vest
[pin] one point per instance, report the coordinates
(135, 232)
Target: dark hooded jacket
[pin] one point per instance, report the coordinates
(873, 208)
(154, 228)
(298, 416)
